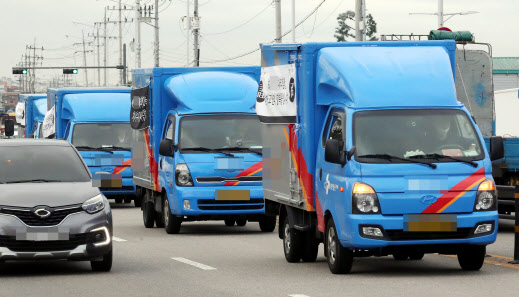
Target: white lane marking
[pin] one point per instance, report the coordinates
(193, 263)
(118, 239)
(298, 295)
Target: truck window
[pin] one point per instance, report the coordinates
(170, 129)
(103, 135)
(334, 128)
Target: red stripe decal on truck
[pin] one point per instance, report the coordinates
(247, 172)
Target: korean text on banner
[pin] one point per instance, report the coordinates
(48, 124)
(276, 101)
(20, 113)
(140, 109)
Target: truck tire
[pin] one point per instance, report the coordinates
(171, 222)
(471, 257)
(416, 255)
(292, 243)
(127, 200)
(229, 222)
(241, 222)
(137, 201)
(148, 215)
(103, 265)
(118, 200)
(159, 220)
(400, 256)
(267, 224)
(310, 248)
(340, 259)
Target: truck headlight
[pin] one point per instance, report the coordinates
(486, 197)
(364, 200)
(95, 204)
(183, 176)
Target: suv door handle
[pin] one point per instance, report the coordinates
(320, 174)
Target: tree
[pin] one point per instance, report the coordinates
(345, 31)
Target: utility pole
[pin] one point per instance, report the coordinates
(98, 59)
(277, 6)
(358, 19)
(441, 14)
(138, 33)
(105, 48)
(196, 28)
(31, 76)
(156, 33)
(124, 64)
(188, 27)
(120, 40)
(294, 21)
(84, 58)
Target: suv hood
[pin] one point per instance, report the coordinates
(48, 194)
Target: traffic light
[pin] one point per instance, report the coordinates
(19, 71)
(69, 71)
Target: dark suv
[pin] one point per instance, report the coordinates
(48, 207)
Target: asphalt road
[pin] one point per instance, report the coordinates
(209, 259)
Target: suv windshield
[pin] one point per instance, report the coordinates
(41, 163)
(442, 135)
(220, 132)
(96, 135)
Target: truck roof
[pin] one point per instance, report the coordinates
(100, 107)
(28, 97)
(226, 89)
(377, 74)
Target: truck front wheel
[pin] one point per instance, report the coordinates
(292, 243)
(311, 248)
(267, 223)
(340, 259)
(472, 257)
(148, 215)
(171, 222)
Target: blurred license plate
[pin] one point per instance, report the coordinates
(223, 163)
(42, 234)
(232, 195)
(430, 223)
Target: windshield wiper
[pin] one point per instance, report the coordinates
(34, 181)
(242, 149)
(391, 157)
(89, 148)
(114, 147)
(439, 156)
(205, 149)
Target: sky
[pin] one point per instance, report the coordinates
(229, 28)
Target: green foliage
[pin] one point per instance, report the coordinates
(345, 31)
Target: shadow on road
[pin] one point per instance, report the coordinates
(44, 268)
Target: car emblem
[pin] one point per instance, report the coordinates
(42, 213)
(428, 199)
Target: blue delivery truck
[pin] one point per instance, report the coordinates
(95, 121)
(198, 146)
(35, 107)
(371, 153)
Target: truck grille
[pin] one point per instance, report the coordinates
(210, 204)
(27, 216)
(219, 179)
(74, 241)
(403, 235)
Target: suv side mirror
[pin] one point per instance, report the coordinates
(333, 152)
(497, 148)
(166, 148)
(9, 128)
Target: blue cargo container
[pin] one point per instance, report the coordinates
(201, 154)
(382, 157)
(96, 122)
(35, 109)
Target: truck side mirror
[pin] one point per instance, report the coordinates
(9, 128)
(166, 148)
(497, 148)
(333, 152)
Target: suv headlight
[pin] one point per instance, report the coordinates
(95, 204)
(486, 198)
(183, 176)
(364, 200)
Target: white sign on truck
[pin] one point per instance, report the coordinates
(48, 124)
(276, 101)
(20, 113)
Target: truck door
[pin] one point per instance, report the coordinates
(167, 164)
(329, 176)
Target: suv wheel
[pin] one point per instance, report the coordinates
(103, 265)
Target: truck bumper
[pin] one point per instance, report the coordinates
(352, 235)
(128, 188)
(202, 201)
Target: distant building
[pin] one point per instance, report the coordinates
(506, 73)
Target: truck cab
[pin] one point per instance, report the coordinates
(202, 150)
(35, 108)
(388, 162)
(95, 121)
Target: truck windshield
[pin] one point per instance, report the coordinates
(42, 163)
(214, 132)
(438, 135)
(102, 135)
